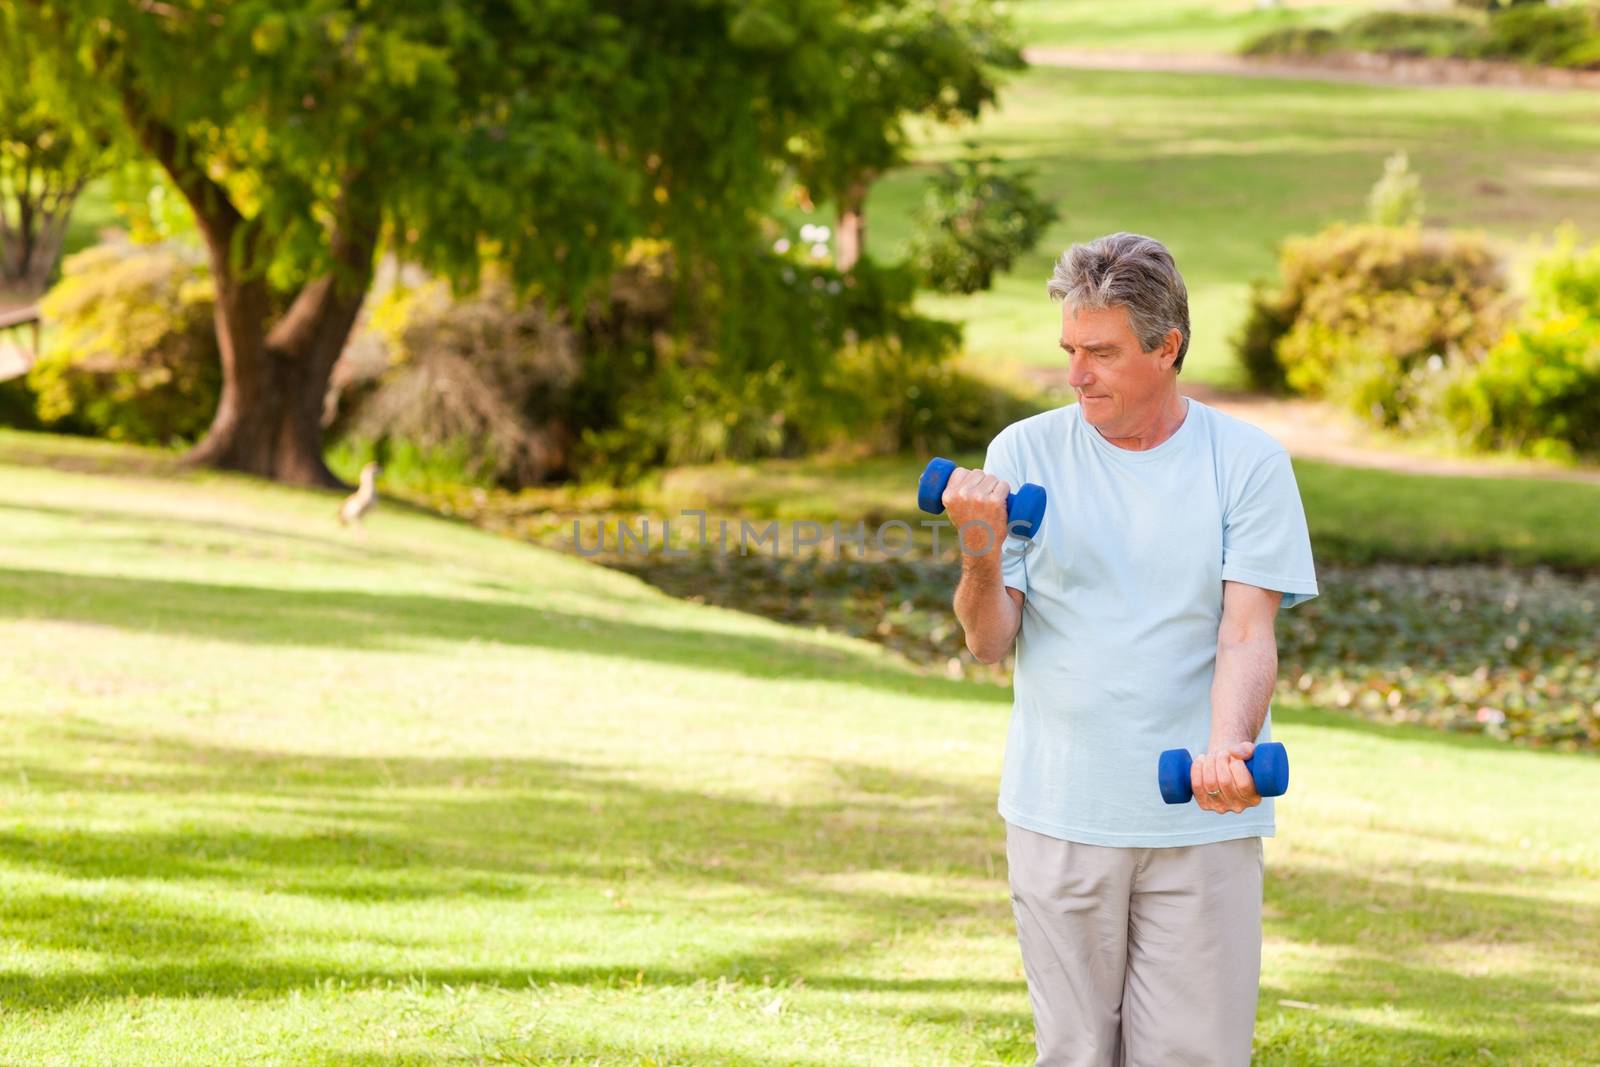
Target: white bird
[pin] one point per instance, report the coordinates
(358, 503)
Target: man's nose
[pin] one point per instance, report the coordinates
(1077, 375)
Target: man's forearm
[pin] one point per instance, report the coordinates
(1241, 688)
(985, 610)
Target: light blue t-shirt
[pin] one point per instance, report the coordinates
(1123, 603)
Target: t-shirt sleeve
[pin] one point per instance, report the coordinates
(1265, 542)
(1001, 462)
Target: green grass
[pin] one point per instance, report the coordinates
(1169, 25)
(1223, 168)
(277, 793)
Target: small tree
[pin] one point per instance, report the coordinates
(47, 155)
(975, 221)
(1396, 198)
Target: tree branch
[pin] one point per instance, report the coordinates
(340, 291)
(213, 208)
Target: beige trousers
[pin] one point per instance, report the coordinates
(1139, 957)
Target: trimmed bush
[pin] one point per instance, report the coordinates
(1360, 308)
(134, 356)
(1551, 36)
(1407, 33)
(1567, 36)
(1538, 390)
(1292, 41)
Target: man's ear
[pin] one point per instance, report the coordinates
(1170, 346)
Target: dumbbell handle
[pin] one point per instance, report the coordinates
(1268, 766)
(1024, 508)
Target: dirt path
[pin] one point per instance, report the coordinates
(1364, 68)
(1313, 430)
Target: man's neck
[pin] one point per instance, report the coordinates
(1163, 424)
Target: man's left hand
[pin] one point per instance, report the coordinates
(1222, 782)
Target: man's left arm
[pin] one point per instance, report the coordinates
(1241, 690)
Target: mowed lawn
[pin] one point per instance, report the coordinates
(1173, 25)
(1223, 168)
(274, 792)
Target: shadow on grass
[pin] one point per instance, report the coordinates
(331, 618)
(889, 851)
(152, 528)
(85, 455)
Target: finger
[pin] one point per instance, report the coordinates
(1230, 800)
(1244, 786)
(1208, 777)
(1197, 784)
(952, 486)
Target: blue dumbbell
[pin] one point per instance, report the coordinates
(1268, 765)
(1024, 508)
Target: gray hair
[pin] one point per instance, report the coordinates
(1127, 270)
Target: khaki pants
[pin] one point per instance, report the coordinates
(1139, 957)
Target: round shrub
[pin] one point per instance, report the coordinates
(480, 380)
(1359, 308)
(134, 353)
(1538, 390)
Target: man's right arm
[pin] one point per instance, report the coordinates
(989, 611)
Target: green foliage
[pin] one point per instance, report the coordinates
(541, 138)
(133, 356)
(1538, 390)
(937, 59)
(788, 356)
(1291, 41)
(1554, 36)
(975, 221)
(1396, 198)
(411, 468)
(1410, 33)
(473, 383)
(1567, 36)
(784, 357)
(1270, 317)
(51, 146)
(1361, 312)
(18, 405)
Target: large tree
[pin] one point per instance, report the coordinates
(545, 135)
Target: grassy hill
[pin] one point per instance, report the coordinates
(274, 792)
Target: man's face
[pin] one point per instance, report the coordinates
(1118, 384)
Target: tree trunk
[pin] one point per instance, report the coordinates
(852, 226)
(269, 417)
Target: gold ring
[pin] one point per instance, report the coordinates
(1213, 792)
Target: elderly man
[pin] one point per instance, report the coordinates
(1142, 614)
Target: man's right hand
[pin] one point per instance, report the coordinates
(976, 504)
